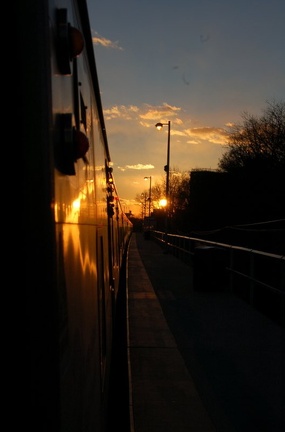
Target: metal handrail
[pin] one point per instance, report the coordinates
(245, 268)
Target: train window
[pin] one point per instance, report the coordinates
(76, 84)
(64, 147)
(70, 42)
(83, 108)
(62, 45)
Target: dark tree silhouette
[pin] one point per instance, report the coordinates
(255, 163)
(257, 143)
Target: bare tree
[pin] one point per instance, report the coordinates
(178, 191)
(255, 164)
(257, 143)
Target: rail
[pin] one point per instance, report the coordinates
(255, 276)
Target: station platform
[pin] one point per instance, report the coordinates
(197, 361)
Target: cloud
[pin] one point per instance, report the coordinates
(147, 115)
(107, 43)
(193, 142)
(139, 166)
(178, 132)
(122, 112)
(211, 134)
(162, 112)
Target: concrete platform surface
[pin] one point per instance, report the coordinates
(198, 361)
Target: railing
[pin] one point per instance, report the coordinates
(255, 276)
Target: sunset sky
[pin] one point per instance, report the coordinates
(196, 63)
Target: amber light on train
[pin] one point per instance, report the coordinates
(110, 190)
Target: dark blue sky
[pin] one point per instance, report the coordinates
(197, 63)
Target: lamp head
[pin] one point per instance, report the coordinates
(159, 126)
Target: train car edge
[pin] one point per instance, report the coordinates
(75, 230)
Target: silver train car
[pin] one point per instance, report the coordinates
(76, 233)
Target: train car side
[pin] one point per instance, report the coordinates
(75, 225)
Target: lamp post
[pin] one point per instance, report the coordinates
(143, 196)
(149, 195)
(159, 126)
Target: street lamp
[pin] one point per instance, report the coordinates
(149, 196)
(159, 126)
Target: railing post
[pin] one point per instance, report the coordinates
(231, 281)
(282, 292)
(251, 284)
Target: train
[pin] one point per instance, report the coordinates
(76, 233)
